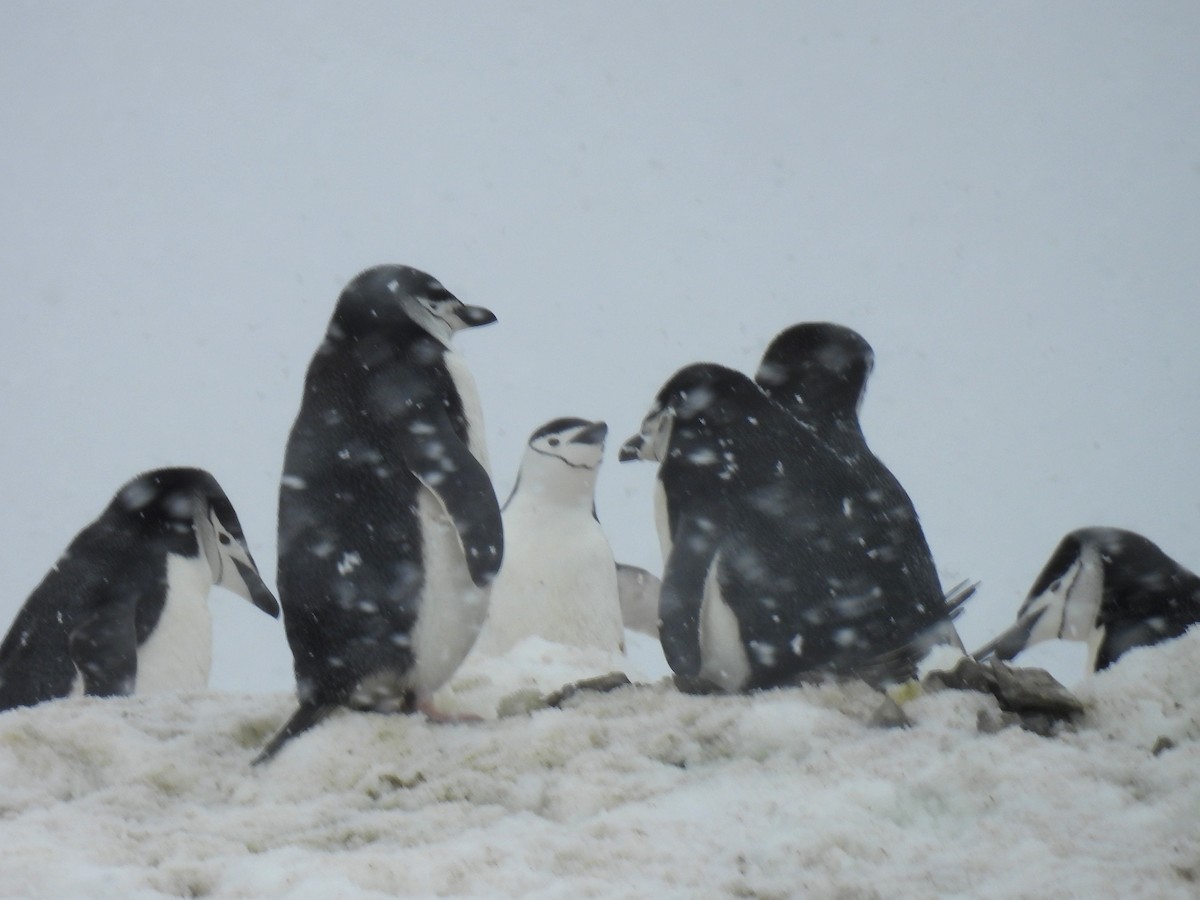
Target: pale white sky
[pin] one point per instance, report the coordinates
(1004, 199)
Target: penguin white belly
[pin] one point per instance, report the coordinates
(558, 581)
(178, 654)
(662, 520)
(468, 393)
(722, 653)
(452, 607)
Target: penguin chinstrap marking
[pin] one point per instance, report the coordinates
(558, 580)
(818, 371)
(778, 565)
(1110, 588)
(389, 529)
(125, 608)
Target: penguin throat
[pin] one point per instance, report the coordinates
(546, 480)
(433, 325)
(566, 462)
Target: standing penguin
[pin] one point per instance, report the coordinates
(818, 371)
(776, 566)
(1113, 589)
(558, 580)
(125, 609)
(389, 529)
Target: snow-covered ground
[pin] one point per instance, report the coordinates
(1003, 198)
(643, 792)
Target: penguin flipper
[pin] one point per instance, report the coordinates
(445, 465)
(104, 650)
(304, 718)
(637, 592)
(681, 596)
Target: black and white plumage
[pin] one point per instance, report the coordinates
(559, 580)
(778, 564)
(389, 529)
(1110, 588)
(819, 372)
(125, 609)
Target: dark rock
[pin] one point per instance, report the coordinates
(1162, 745)
(1033, 690)
(967, 675)
(530, 700)
(1030, 698)
(601, 684)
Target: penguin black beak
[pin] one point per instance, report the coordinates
(592, 435)
(631, 449)
(473, 316)
(260, 594)
(1011, 642)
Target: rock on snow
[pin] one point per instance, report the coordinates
(639, 792)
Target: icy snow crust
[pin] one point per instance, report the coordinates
(641, 792)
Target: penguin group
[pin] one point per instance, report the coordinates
(790, 552)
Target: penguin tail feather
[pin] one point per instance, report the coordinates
(958, 595)
(304, 718)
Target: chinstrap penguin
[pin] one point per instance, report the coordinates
(777, 563)
(125, 608)
(389, 529)
(1112, 589)
(818, 371)
(558, 580)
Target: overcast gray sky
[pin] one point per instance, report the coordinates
(1003, 198)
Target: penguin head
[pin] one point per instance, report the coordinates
(228, 555)
(817, 367)
(1094, 576)
(575, 443)
(389, 294)
(694, 401)
(1064, 601)
(186, 513)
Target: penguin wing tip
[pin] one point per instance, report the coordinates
(304, 718)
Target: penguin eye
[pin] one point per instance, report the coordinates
(1055, 585)
(554, 442)
(225, 539)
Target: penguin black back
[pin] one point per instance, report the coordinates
(819, 372)
(105, 595)
(381, 424)
(1110, 587)
(817, 581)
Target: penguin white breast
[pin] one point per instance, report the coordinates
(558, 581)
(178, 653)
(468, 393)
(722, 653)
(452, 607)
(662, 521)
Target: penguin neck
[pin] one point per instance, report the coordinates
(546, 482)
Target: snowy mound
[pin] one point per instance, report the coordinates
(639, 792)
